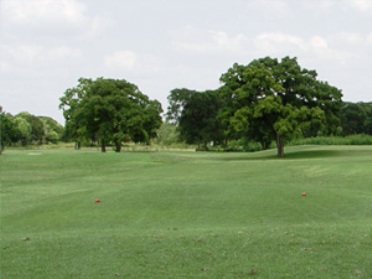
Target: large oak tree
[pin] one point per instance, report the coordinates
(270, 100)
(110, 111)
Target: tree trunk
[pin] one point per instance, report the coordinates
(77, 145)
(117, 146)
(103, 146)
(279, 145)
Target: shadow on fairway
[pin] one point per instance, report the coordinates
(312, 154)
(292, 155)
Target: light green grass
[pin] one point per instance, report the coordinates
(186, 214)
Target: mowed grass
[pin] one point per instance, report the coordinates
(186, 214)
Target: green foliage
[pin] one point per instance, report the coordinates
(36, 133)
(186, 214)
(270, 100)
(8, 130)
(167, 134)
(360, 139)
(25, 129)
(356, 118)
(196, 116)
(109, 111)
(53, 131)
(243, 145)
(177, 100)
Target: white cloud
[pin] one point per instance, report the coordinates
(321, 49)
(369, 38)
(318, 42)
(321, 6)
(207, 41)
(281, 44)
(277, 41)
(348, 38)
(48, 20)
(64, 52)
(25, 53)
(35, 61)
(271, 9)
(361, 5)
(30, 54)
(121, 60)
(329, 6)
(33, 11)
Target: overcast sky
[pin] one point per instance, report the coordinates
(47, 45)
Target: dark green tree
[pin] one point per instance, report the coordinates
(177, 99)
(356, 118)
(53, 131)
(368, 121)
(198, 122)
(110, 111)
(269, 100)
(36, 133)
(23, 130)
(8, 130)
(195, 114)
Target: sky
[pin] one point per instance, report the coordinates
(47, 45)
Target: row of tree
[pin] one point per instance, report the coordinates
(25, 129)
(266, 101)
(356, 118)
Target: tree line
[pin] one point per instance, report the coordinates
(25, 129)
(265, 101)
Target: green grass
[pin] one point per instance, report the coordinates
(187, 214)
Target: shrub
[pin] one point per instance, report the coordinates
(333, 140)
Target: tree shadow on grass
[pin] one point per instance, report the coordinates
(312, 154)
(292, 155)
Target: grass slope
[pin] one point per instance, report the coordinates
(187, 214)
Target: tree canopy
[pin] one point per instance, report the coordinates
(356, 118)
(266, 100)
(25, 128)
(196, 114)
(109, 111)
(276, 100)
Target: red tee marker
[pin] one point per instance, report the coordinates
(303, 194)
(97, 201)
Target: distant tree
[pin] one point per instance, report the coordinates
(368, 121)
(356, 118)
(53, 131)
(1, 125)
(110, 111)
(271, 100)
(8, 130)
(167, 134)
(177, 99)
(198, 122)
(37, 128)
(195, 114)
(23, 130)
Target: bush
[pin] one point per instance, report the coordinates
(243, 145)
(167, 134)
(348, 140)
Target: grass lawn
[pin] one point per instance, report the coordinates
(186, 214)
